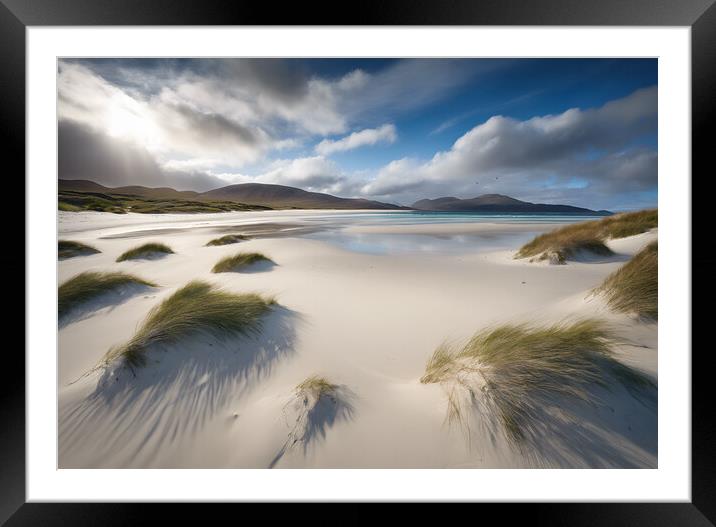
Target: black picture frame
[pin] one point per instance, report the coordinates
(700, 15)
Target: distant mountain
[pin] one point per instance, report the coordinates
(80, 185)
(84, 185)
(280, 196)
(283, 197)
(274, 196)
(160, 192)
(498, 204)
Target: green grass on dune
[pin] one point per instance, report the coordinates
(629, 223)
(236, 262)
(517, 370)
(227, 240)
(76, 201)
(634, 287)
(69, 249)
(144, 251)
(68, 207)
(93, 201)
(88, 285)
(198, 307)
(560, 244)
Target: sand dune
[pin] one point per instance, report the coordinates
(368, 322)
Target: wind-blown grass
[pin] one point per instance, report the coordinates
(316, 387)
(69, 249)
(316, 406)
(517, 371)
(145, 251)
(236, 262)
(196, 308)
(561, 244)
(88, 285)
(227, 240)
(634, 287)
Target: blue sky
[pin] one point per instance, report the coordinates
(574, 131)
(517, 88)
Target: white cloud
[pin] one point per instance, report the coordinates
(316, 173)
(204, 122)
(369, 136)
(194, 163)
(236, 112)
(406, 84)
(537, 157)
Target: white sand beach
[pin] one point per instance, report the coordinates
(365, 314)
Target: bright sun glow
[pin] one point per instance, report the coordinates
(124, 123)
(125, 120)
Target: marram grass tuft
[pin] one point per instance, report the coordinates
(70, 249)
(145, 251)
(196, 308)
(91, 284)
(227, 240)
(515, 371)
(238, 261)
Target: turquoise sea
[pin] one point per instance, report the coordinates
(420, 217)
(336, 230)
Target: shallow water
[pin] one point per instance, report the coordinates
(414, 217)
(410, 243)
(329, 226)
(392, 243)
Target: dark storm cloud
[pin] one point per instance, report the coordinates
(277, 77)
(87, 154)
(189, 119)
(146, 76)
(213, 129)
(286, 80)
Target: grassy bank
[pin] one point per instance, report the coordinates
(634, 287)
(590, 236)
(73, 201)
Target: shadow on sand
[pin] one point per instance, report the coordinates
(258, 267)
(176, 393)
(311, 417)
(594, 258)
(616, 428)
(110, 299)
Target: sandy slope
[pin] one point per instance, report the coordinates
(367, 322)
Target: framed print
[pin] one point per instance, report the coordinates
(411, 259)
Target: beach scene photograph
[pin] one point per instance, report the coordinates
(345, 263)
